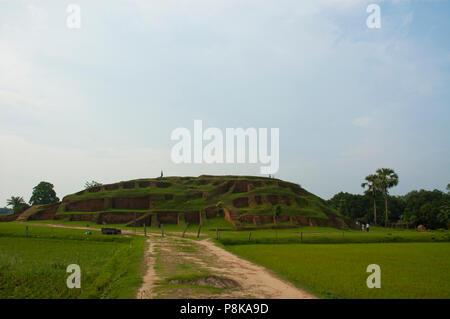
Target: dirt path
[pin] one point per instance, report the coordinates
(220, 268)
(229, 275)
(253, 278)
(146, 290)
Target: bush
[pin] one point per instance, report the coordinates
(21, 208)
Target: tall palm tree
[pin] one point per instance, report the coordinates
(15, 202)
(373, 188)
(387, 178)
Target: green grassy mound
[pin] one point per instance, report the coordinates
(245, 200)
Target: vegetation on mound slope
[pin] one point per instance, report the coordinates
(246, 195)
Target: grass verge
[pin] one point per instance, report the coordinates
(408, 270)
(34, 266)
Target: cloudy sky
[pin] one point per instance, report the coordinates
(100, 102)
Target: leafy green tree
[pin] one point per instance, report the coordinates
(15, 201)
(43, 193)
(360, 207)
(428, 208)
(343, 208)
(89, 185)
(443, 218)
(397, 206)
(219, 207)
(18, 204)
(373, 189)
(357, 207)
(387, 179)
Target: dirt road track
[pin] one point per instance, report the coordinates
(255, 280)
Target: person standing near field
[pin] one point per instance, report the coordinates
(367, 227)
(362, 227)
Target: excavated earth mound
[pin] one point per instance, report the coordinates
(240, 200)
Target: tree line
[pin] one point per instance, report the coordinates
(5, 210)
(419, 207)
(43, 193)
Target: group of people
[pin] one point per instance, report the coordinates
(364, 227)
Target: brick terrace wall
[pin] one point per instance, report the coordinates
(192, 217)
(118, 217)
(168, 217)
(89, 205)
(131, 203)
(45, 214)
(211, 212)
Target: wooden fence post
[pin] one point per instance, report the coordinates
(185, 228)
(249, 236)
(162, 230)
(198, 233)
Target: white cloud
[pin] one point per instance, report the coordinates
(143, 67)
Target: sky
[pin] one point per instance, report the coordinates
(100, 102)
